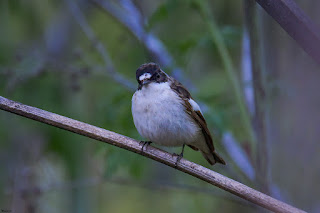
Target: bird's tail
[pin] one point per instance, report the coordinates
(213, 157)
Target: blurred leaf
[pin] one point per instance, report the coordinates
(187, 43)
(231, 35)
(159, 14)
(162, 12)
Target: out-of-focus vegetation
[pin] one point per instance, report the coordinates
(48, 61)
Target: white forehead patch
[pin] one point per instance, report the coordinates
(145, 76)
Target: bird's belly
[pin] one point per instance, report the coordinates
(164, 121)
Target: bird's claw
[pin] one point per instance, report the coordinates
(144, 143)
(179, 157)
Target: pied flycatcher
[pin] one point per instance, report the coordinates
(164, 113)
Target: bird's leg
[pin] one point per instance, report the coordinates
(180, 156)
(144, 143)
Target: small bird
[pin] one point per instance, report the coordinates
(164, 113)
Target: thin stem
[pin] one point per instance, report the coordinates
(228, 67)
(260, 102)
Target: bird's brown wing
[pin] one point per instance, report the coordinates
(193, 147)
(197, 117)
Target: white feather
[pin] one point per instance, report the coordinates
(145, 76)
(194, 105)
(159, 116)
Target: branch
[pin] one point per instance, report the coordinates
(296, 23)
(80, 18)
(132, 145)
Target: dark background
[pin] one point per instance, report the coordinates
(78, 59)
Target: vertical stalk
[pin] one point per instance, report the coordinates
(229, 68)
(260, 97)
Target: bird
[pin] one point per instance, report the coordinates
(164, 113)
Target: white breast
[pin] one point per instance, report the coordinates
(160, 116)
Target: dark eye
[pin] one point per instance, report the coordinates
(158, 76)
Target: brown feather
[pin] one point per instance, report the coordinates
(184, 94)
(193, 147)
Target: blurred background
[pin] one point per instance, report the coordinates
(258, 89)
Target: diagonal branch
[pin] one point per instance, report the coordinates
(296, 23)
(130, 17)
(132, 145)
(80, 18)
(128, 14)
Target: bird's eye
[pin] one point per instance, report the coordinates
(158, 76)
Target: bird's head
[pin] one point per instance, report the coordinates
(150, 73)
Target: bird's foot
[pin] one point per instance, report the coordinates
(179, 157)
(144, 144)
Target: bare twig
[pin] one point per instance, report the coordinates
(132, 145)
(79, 17)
